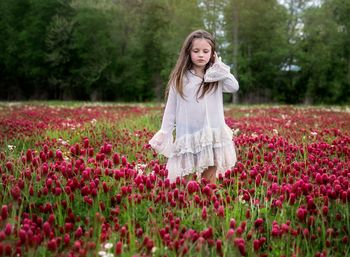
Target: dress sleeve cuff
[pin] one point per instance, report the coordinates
(217, 72)
(163, 143)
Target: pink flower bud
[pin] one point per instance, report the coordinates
(86, 142)
(219, 246)
(66, 239)
(4, 212)
(118, 248)
(52, 245)
(8, 229)
(230, 233)
(77, 246)
(47, 228)
(232, 223)
(78, 233)
(124, 161)
(258, 222)
(59, 155)
(9, 166)
(16, 192)
(256, 245)
(301, 213)
(204, 213)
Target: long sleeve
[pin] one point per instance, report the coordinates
(221, 72)
(163, 141)
(168, 122)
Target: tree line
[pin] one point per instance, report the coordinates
(291, 51)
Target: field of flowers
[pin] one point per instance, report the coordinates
(81, 180)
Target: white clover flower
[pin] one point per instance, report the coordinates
(154, 249)
(63, 142)
(313, 133)
(236, 132)
(11, 147)
(102, 253)
(108, 246)
(140, 168)
(275, 131)
(241, 200)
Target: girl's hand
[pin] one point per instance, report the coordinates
(216, 58)
(218, 71)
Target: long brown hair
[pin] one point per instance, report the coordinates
(184, 63)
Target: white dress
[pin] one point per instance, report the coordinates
(202, 137)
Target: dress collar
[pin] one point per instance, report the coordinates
(194, 74)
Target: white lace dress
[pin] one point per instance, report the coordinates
(202, 137)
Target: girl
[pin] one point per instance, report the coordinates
(203, 144)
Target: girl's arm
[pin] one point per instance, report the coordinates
(221, 72)
(168, 122)
(163, 141)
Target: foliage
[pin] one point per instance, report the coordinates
(124, 50)
(325, 55)
(261, 46)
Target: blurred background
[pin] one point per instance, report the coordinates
(291, 51)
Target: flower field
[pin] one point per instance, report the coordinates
(82, 180)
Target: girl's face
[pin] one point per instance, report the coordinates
(201, 53)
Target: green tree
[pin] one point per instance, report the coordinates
(23, 44)
(293, 92)
(58, 54)
(214, 20)
(154, 40)
(257, 46)
(125, 49)
(325, 58)
(92, 49)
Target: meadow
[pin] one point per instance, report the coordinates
(80, 179)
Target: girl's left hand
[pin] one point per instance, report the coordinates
(216, 57)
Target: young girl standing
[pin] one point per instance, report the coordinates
(203, 143)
